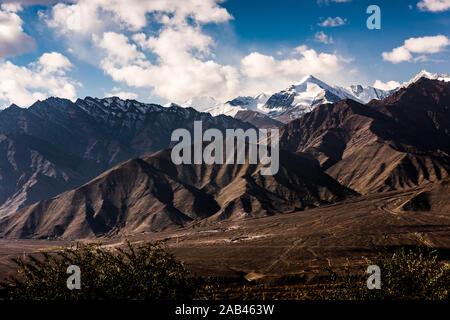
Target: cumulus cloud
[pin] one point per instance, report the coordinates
(423, 45)
(53, 62)
(257, 65)
(300, 49)
(35, 2)
(124, 95)
(333, 22)
(427, 44)
(323, 38)
(265, 73)
(85, 16)
(179, 74)
(13, 39)
(119, 50)
(24, 85)
(181, 65)
(390, 85)
(12, 7)
(183, 68)
(397, 55)
(434, 5)
(176, 61)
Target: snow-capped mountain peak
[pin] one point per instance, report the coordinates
(368, 93)
(202, 103)
(300, 98)
(428, 75)
(294, 101)
(303, 96)
(309, 79)
(229, 108)
(212, 106)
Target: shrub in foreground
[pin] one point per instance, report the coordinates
(145, 272)
(149, 272)
(406, 274)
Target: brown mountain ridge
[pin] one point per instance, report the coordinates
(330, 154)
(393, 144)
(152, 194)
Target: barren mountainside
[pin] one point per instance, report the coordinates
(151, 194)
(396, 143)
(32, 169)
(257, 119)
(330, 154)
(56, 145)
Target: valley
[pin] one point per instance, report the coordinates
(300, 243)
(353, 178)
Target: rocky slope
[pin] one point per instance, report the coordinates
(434, 200)
(152, 194)
(47, 147)
(32, 169)
(399, 142)
(257, 119)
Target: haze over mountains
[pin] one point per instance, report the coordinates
(335, 152)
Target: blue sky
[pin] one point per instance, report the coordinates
(161, 51)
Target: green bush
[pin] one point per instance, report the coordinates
(146, 272)
(149, 272)
(406, 274)
(413, 274)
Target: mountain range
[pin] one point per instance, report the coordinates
(56, 145)
(337, 151)
(392, 144)
(300, 98)
(102, 167)
(151, 194)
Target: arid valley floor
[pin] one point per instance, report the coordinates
(302, 243)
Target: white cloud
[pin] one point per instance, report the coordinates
(427, 44)
(397, 55)
(390, 85)
(13, 39)
(12, 7)
(124, 95)
(175, 45)
(422, 45)
(182, 63)
(333, 22)
(257, 65)
(434, 5)
(300, 49)
(34, 2)
(183, 69)
(54, 62)
(85, 16)
(79, 18)
(24, 85)
(175, 62)
(180, 73)
(265, 73)
(320, 36)
(119, 50)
